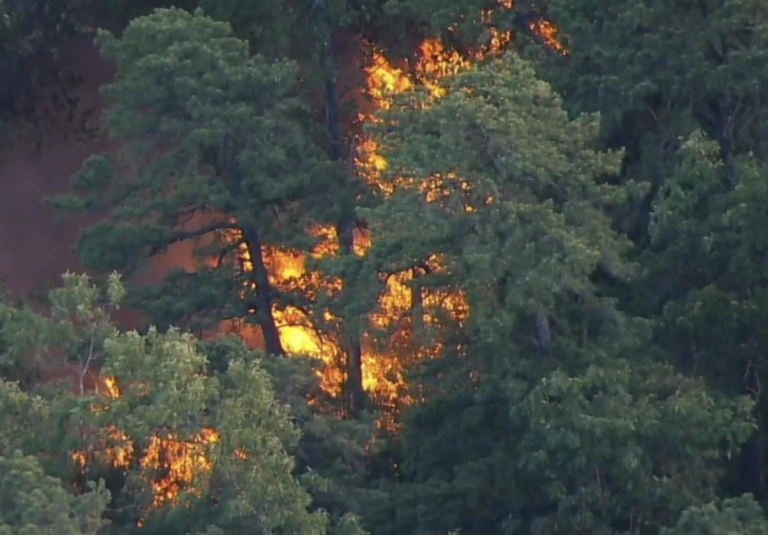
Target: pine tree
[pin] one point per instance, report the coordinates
(216, 155)
(620, 63)
(35, 503)
(496, 193)
(741, 515)
(500, 197)
(692, 122)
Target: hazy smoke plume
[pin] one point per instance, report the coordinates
(35, 241)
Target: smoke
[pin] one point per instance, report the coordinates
(35, 240)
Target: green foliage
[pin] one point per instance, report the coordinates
(584, 434)
(465, 23)
(592, 251)
(332, 452)
(37, 504)
(621, 45)
(71, 337)
(165, 393)
(25, 419)
(12, 367)
(623, 445)
(268, 27)
(735, 516)
(619, 63)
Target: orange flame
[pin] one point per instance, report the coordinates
(172, 465)
(383, 364)
(177, 463)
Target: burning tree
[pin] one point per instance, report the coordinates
(203, 439)
(504, 192)
(510, 201)
(217, 158)
(222, 161)
(163, 430)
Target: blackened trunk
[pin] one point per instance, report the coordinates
(264, 299)
(417, 303)
(356, 398)
(354, 392)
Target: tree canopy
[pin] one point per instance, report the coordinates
(404, 267)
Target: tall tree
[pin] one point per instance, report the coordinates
(708, 247)
(216, 158)
(500, 197)
(619, 63)
(693, 124)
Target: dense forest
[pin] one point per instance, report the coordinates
(390, 267)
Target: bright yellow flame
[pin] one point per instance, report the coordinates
(177, 464)
(438, 63)
(385, 80)
(287, 271)
(111, 388)
(172, 464)
(383, 365)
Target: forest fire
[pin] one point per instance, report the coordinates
(179, 462)
(171, 465)
(383, 367)
(383, 363)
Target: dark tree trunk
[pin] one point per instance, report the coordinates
(356, 398)
(258, 276)
(354, 392)
(264, 298)
(752, 477)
